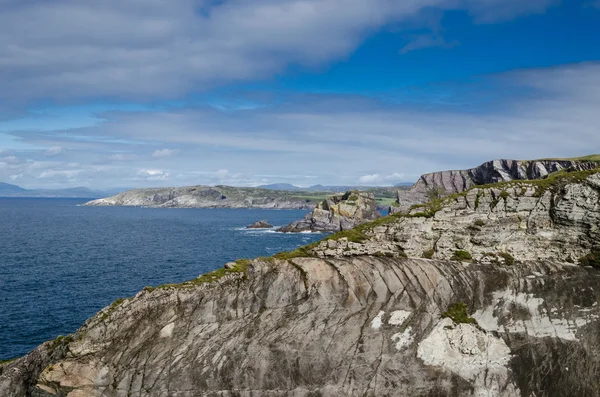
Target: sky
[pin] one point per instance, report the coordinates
(139, 93)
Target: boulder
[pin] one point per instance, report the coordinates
(260, 225)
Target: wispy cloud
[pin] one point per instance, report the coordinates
(339, 139)
(55, 151)
(428, 41)
(162, 153)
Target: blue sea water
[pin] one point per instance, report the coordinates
(60, 263)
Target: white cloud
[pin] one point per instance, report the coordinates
(155, 48)
(540, 113)
(153, 175)
(123, 157)
(379, 179)
(61, 174)
(55, 151)
(427, 41)
(222, 174)
(162, 153)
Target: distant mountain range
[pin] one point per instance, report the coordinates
(321, 188)
(8, 190)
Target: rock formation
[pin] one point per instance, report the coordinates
(498, 306)
(206, 197)
(337, 213)
(449, 182)
(260, 225)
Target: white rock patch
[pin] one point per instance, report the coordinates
(404, 339)
(376, 323)
(398, 317)
(539, 325)
(471, 354)
(167, 330)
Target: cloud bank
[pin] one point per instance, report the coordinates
(65, 50)
(341, 139)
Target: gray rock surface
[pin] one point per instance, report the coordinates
(521, 220)
(206, 197)
(495, 171)
(340, 319)
(337, 213)
(260, 225)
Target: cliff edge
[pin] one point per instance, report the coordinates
(489, 292)
(495, 171)
(206, 197)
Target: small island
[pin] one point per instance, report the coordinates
(260, 225)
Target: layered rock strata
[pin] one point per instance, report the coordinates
(501, 309)
(449, 182)
(338, 213)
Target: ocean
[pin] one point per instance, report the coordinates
(60, 263)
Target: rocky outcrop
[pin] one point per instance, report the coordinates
(449, 182)
(553, 219)
(500, 309)
(338, 213)
(260, 225)
(206, 197)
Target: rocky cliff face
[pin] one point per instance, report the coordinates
(338, 213)
(495, 171)
(360, 314)
(206, 197)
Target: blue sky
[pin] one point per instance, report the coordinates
(135, 93)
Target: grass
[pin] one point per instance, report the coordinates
(10, 360)
(459, 313)
(113, 306)
(387, 202)
(508, 258)
(59, 342)
(241, 267)
(591, 157)
(461, 255)
(428, 254)
(591, 259)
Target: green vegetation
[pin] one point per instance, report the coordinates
(478, 198)
(591, 157)
(428, 254)
(591, 259)
(10, 360)
(302, 252)
(387, 202)
(461, 255)
(435, 193)
(479, 223)
(459, 313)
(241, 267)
(113, 306)
(60, 341)
(508, 258)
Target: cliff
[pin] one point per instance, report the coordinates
(498, 306)
(338, 213)
(206, 197)
(449, 182)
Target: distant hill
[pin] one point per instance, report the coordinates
(8, 190)
(282, 186)
(326, 188)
